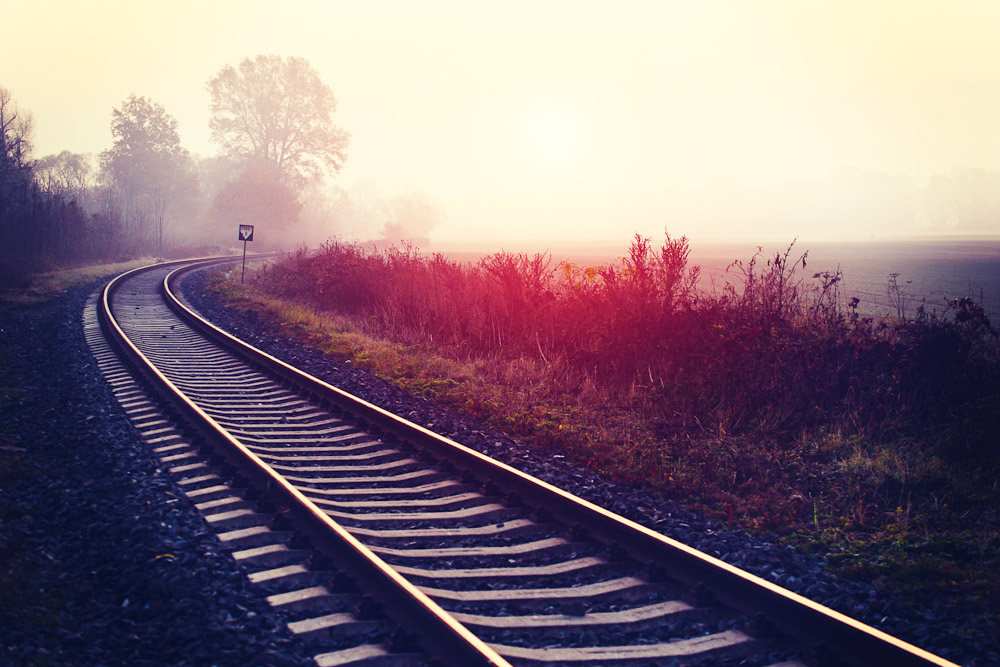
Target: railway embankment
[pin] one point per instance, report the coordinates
(885, 602)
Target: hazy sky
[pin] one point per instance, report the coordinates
(545, 119)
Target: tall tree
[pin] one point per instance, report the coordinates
(146, 164)
(147, 156)
(277, 109)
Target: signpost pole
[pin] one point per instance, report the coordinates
(246, 234)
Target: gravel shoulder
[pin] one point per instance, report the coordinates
(102, 559)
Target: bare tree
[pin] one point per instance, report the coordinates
(15, 146)
(278, 110)
(70, 175)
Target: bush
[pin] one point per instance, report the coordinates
(771, 353)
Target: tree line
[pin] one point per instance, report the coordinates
(272, 119)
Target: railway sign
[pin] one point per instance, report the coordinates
(246, 234)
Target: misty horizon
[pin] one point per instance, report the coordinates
(579, 120)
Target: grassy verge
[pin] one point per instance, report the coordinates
(521, 398)
(44, 286)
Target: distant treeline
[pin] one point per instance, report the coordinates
(57, 212)
(41, 230)
(36, 227)
(147, 195)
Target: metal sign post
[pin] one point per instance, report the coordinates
(246, 234)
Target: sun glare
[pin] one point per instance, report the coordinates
(551, 137)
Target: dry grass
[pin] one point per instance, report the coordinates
(44, 286)
(815, 477)
(520, 397)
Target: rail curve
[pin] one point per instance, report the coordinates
(476, 562)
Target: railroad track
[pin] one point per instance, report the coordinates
(385, 543)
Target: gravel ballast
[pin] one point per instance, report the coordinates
(103, 561)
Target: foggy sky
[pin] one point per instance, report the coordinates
(556, 120)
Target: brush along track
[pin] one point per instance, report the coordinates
(538, 576)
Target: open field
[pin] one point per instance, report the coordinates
(932, 271)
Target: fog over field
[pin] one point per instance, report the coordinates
(723, 121)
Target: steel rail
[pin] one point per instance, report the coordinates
(433, 628)
(815, 625)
